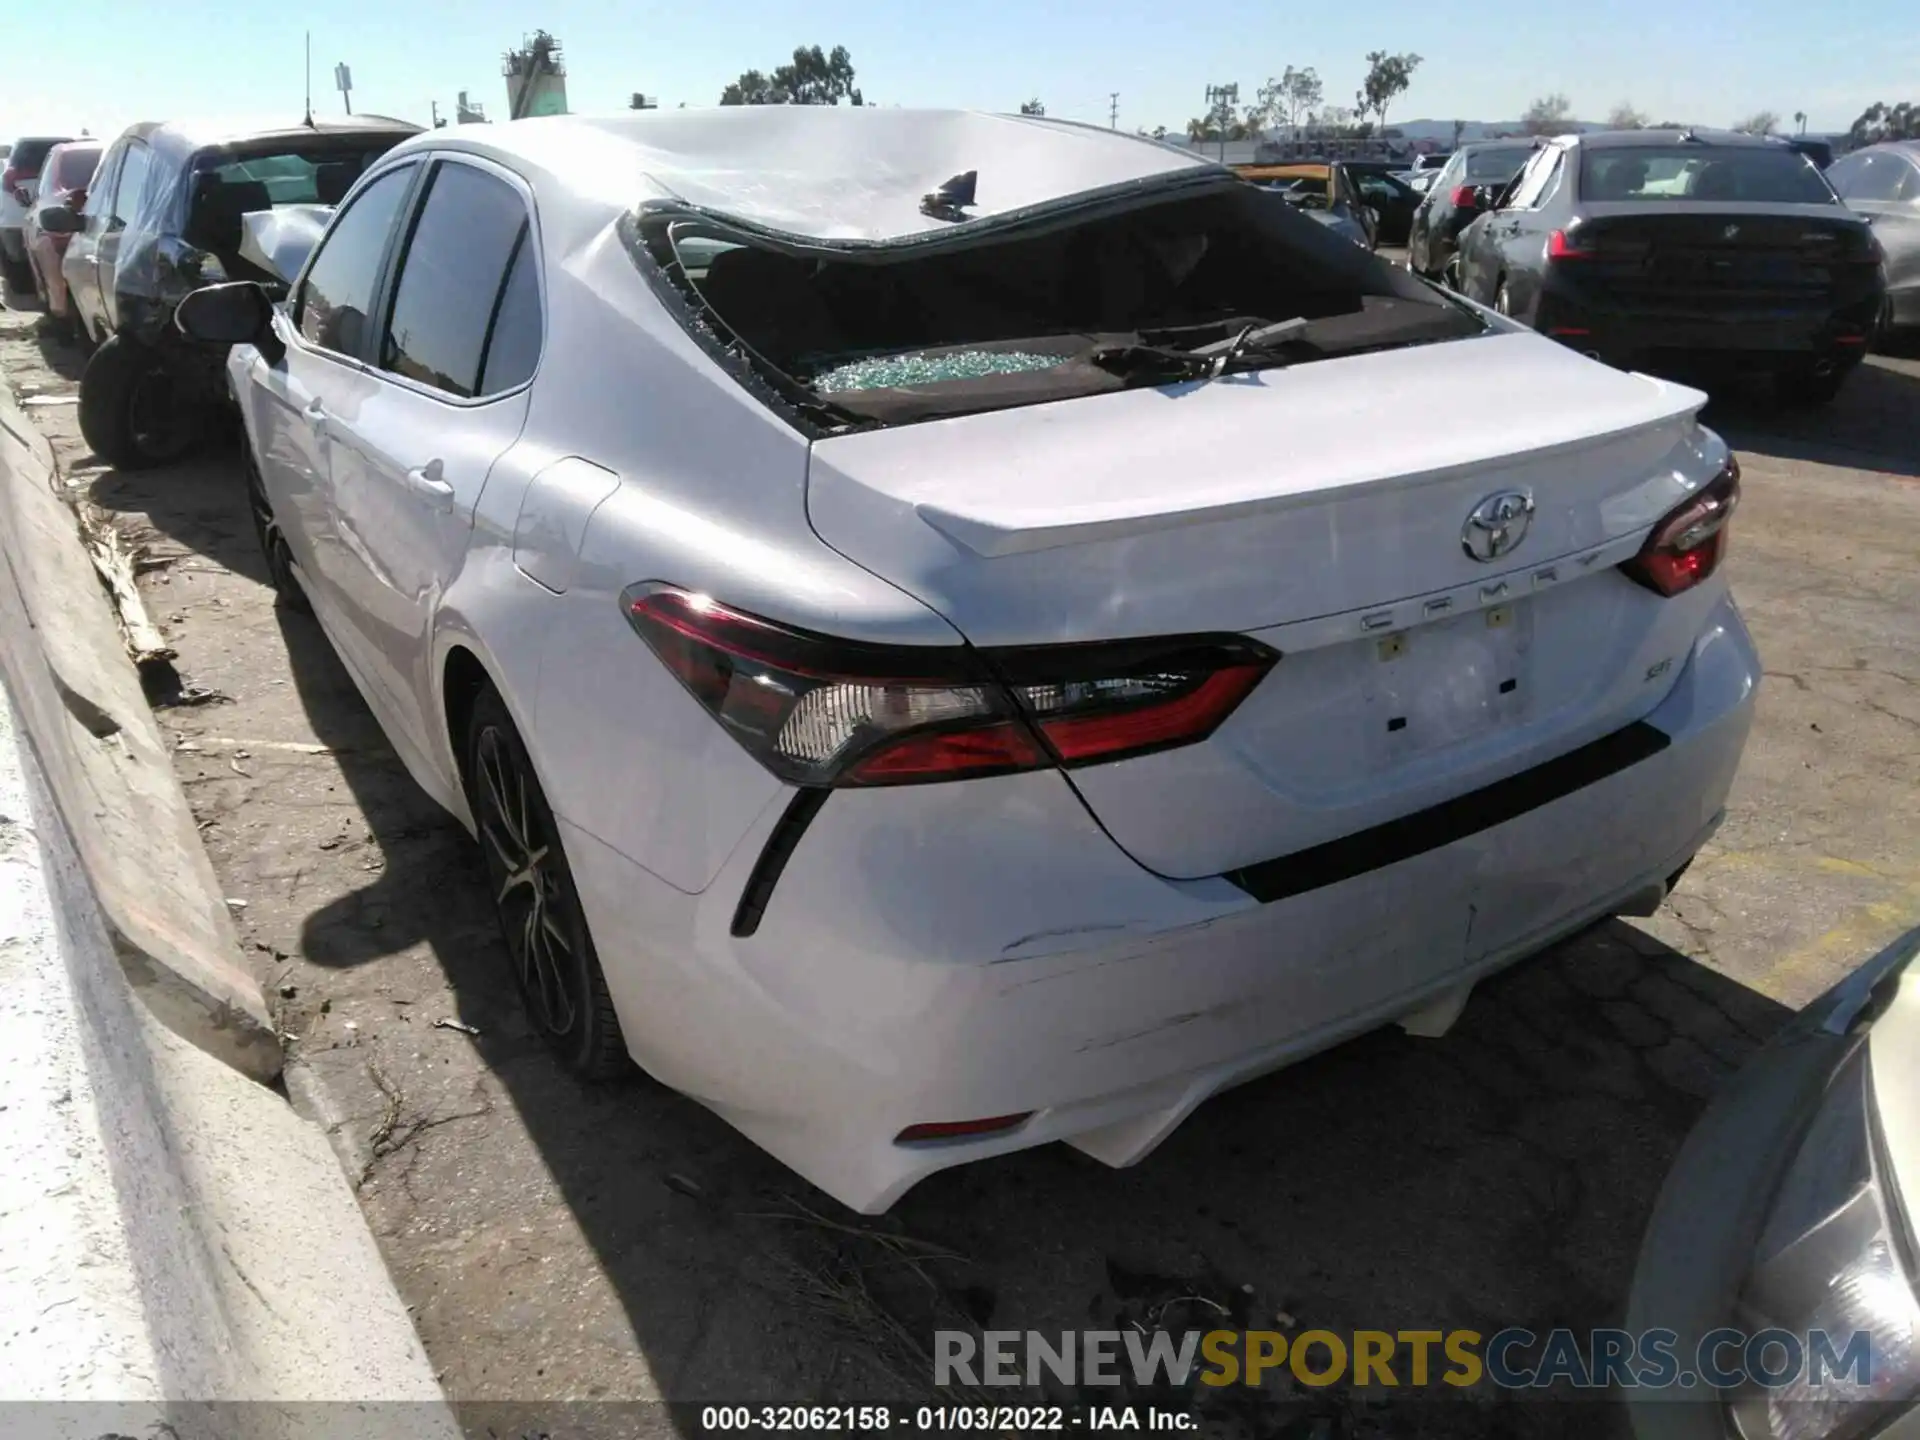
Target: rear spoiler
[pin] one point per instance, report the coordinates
(280, 240)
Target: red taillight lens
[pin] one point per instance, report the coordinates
(819, 711)
(1562, 246)
(1462, 196)
(1689, 544)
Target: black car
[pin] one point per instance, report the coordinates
(1466, 187)
(163, 216)
(1684, 250)
(1388, 196)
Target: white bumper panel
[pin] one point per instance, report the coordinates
(943, 953)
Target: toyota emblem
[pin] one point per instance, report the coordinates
(1497, 525)
(1732, 232)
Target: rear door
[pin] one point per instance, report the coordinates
(129, 191)
(445, 395)
(81, 264)
(290, 403)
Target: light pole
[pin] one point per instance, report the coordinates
(1221, 100)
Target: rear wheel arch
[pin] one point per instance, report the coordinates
(463, 678)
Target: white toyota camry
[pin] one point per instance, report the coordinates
(946, 627)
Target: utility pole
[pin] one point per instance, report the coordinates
(1113, 110)
(1221, 102)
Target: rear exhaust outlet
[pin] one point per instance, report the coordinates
(1823, 368)
(1591, 354)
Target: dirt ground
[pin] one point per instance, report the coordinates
(559, 1243)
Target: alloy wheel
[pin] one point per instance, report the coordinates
(525, 869)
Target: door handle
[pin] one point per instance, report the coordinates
(316, 414)
(425, 480)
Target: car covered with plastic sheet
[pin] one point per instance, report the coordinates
(164, 215)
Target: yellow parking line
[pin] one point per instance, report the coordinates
(1869, 929)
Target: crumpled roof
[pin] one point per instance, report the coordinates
(835, 172)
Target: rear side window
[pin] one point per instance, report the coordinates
(513, 349)
(73, 169)
(100, 194)
(337, 294)
(1760, 175)
(1486, 167)
(1533, 184)
(1874, 177)
(455, 285)
(132, 182)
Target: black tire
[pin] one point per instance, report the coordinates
(1804, 386)
(561, 985)
(273, 541)
(131, 410)
(17, 275)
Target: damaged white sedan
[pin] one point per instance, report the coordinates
(945, 626)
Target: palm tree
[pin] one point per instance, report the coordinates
(1800, 119)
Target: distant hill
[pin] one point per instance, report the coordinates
(1441, 131)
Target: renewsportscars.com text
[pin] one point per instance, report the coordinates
(1511, 1359)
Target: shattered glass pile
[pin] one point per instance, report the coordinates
(889, 371)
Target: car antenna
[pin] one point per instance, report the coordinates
(309, 120)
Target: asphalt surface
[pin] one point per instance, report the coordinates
(559, 1243)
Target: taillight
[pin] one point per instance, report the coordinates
(1690, 542)
(820, 711)
(1562, 246)
(1462, 196)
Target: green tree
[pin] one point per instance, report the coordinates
(1624, 117)
(1881, 121)
(1290, 99)
(1388, 77)
(1761, 122)
(1032, 107)
(1547, 115)
(815, 77)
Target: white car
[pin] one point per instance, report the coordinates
(960, 631)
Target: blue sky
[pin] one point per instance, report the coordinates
(1709, 61)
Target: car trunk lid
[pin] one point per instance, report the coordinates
(1322, 510)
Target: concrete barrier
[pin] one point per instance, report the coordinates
(81, 706)
(179, 1252)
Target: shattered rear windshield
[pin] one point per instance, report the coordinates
(1187, 288)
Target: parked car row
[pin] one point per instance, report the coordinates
(1685, 251)
(114, 235)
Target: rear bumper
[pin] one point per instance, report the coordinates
(1622, 333)
(945, 953)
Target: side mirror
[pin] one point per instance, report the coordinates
(59, 220)
(239, 313)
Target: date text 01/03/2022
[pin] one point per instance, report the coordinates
(933, 1419)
